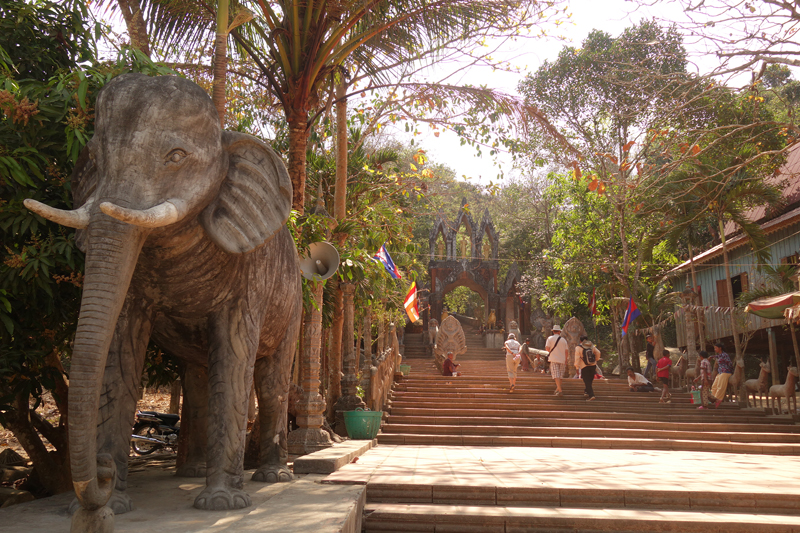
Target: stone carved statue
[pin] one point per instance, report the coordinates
(449, 339)
(183, 226)
(572, 332)
(433, 330)
(513, 327)
(463, 248)
(492, 320)
(540, 324)
(440, 253)
(487, 250)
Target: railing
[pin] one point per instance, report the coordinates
(382, 374)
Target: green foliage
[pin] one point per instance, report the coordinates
(48, 116)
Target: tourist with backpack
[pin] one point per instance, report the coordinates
(586, 358)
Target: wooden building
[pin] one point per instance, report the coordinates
(783, 233)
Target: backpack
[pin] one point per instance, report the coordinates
(588, 356)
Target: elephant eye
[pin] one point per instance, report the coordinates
(176, 156)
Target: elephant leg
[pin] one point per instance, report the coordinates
(194, 422)
(273, 376)
(120, 392)
(233, 341)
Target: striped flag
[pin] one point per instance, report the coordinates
(385, 259)
(631, 314)
(411, 303)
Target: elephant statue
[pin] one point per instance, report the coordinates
(183, 227)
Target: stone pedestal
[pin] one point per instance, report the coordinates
(310, 437)
(494, 339)
(349, 400)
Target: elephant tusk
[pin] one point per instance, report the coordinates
(75, 218)
(163, 214)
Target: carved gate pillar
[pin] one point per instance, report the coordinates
(309, 436)
(349, 400)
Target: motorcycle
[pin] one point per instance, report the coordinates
(154, 431)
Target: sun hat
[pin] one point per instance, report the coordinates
(556, 327)
(512, 336)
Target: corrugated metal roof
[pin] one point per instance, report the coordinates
(739, 240)
(788, 179)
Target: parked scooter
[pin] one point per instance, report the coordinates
(154, 431)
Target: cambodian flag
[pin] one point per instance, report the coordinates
(384, 258)
(631, 314)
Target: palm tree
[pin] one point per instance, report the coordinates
(300, 46)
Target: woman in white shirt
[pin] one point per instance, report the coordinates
(512, 359)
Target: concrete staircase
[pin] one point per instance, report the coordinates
(623, 462)
(477, 410)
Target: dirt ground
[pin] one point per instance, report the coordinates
(154, 400)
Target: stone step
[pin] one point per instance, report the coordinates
(623, 423)
(580, 432)
(589, 442)
(393, 517)
(571, 497)
(666, 412)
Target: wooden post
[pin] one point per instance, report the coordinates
(309, 436)
(349, 400)
(773, 356)
(794, 343)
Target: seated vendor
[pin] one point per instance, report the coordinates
(449, 367)
(638, 383)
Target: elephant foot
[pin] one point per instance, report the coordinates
(192, 470)
(272, 474)
(119, 503)
(221, 498)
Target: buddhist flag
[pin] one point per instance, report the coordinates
(631, 314)
(593, 302)
(411, 303)
(385, 259)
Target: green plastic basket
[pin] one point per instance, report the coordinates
(405, 369)
(695, 396)
(362, 425)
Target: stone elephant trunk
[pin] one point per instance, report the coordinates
(110, 263)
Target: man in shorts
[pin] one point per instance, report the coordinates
(556, 345)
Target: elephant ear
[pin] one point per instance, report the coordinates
(255, 199)
(84, 183)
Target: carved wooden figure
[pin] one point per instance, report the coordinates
(777, 392)
(735, 380)
(678, 371)
(184, 231)
(759, 387)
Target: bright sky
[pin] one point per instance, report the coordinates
(612, 16)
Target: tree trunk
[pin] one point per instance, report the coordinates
(220, 61)
(340, 192)
(298, 144)
(53, 468)
(335, 360)
(137, 29)
(175, 397)
(700, 315)
(734, 328)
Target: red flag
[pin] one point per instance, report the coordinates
(411, 303)
(593, 302)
